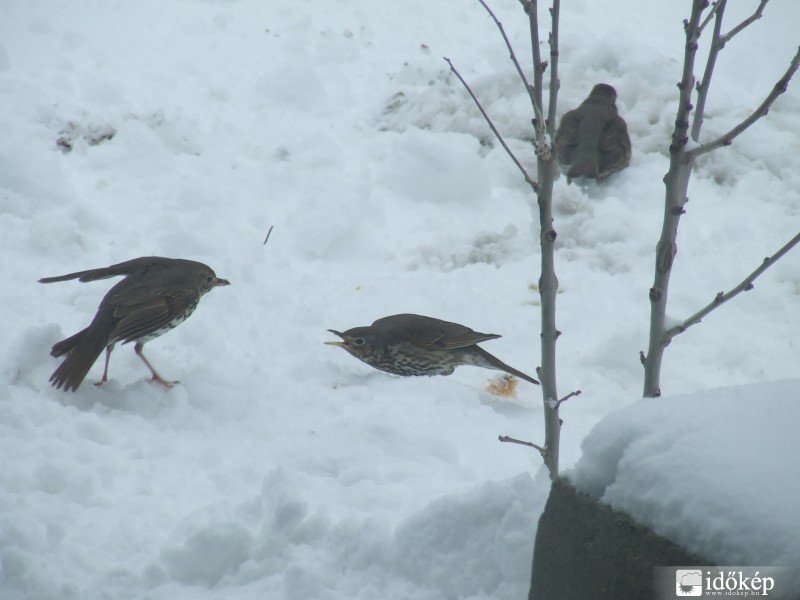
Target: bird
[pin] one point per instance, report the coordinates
(410, 345)
(592, 140)
(156, 295)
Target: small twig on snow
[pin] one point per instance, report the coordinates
(268, 234)
(744, 286)
(505, 438)
(531, 182)
(727, 138)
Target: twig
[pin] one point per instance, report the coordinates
(555, 84)
(567, 397)
(505, 438)
(754, 17)
(513, 57)
(539, 124)
(744, 286)
(538, 66)
(727, 138)
(705, 83)
(686, 83)
(531, 182)
(268, 234)
(711, 13)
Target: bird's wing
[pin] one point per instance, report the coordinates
(444, 334)
(142, 309)
(123, 268)
(428, 332)
(567, 137)
(615, 146)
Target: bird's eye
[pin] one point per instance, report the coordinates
(358, 341)
(209, 279)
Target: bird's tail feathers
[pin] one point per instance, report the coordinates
(64, 346)
(489, 361)
(82, 350)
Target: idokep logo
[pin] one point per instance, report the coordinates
(738, 582)
(688, 582)
(781, 583)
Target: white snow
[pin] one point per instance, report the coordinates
(284, 468)
(705, 470)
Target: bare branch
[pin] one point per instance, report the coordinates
(676, 183)
(505, 438)
(528, 179)
(727, 138)
(705, 83)
(539, 124)
(266, 239)
(567, 397)
(528, 88)
(754, 17)
(555, 84)
(686, 83)
(538, 66)
(548, 282)
(546, 174)
(712, 12)
(744, 286)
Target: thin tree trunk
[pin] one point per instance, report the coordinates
(677, 184)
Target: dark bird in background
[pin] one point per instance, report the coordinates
(156, 295)
(592, 140)
(416, 345)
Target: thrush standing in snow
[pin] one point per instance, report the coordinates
(416, 345)
(156, 295)
(592, 140)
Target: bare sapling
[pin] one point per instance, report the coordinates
(542, 185)
(682, 157)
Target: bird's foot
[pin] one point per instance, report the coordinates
(163, 382)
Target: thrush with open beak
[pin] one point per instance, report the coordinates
(409, 345)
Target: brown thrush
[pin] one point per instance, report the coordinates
(592, 140)
(416, 345)
(156, 295)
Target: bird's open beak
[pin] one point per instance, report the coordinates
(337, 342)
(222, 282)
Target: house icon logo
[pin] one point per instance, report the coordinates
(688, 583)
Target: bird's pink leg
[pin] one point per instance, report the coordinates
(156, 377)
(104, 379)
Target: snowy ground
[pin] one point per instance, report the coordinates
(283, 468)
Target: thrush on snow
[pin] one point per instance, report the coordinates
(156, 295)
(592, 140)
(409, 345)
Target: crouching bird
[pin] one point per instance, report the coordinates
(156, 295)
(416, 345)
(592, 140)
